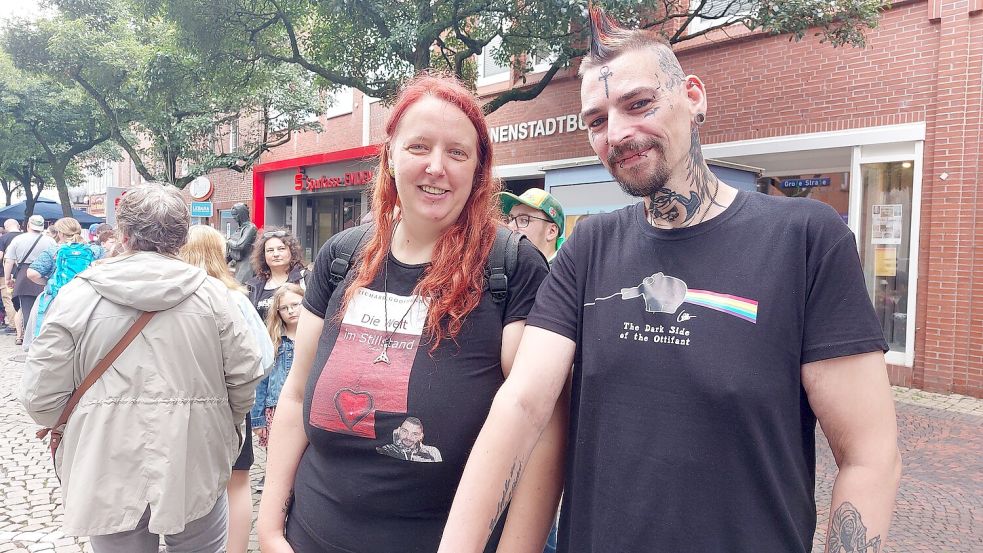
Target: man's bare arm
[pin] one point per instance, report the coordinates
(852, 399)
(519, 414)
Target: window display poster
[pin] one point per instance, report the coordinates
(886, 224)
(886, 261)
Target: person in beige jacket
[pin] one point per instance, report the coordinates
(149, 448)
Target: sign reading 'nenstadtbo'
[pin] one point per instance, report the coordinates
(537, 128)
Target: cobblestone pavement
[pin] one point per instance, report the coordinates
(940, 503)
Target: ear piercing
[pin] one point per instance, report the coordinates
(701, 118)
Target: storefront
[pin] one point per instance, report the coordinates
(314, 196)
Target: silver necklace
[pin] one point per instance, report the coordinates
(384, 357)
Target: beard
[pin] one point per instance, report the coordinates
(636, 181)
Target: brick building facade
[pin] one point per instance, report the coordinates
(889, 135)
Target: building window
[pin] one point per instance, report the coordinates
(339, 102)
(234, 135)
(490, 71)
(719, 13)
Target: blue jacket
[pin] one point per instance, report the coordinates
(268, 391)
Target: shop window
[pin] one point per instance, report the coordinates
(885, 244)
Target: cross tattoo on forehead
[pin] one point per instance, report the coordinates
(605, 74)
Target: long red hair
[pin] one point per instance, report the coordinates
(454, 281)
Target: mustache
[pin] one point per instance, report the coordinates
(626, 148)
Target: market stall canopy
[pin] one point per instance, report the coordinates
(50, 210)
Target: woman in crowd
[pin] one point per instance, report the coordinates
(147, 450)
(277, 259)
(205, 249)
(281, 325)
(396, 368)
(76, 256)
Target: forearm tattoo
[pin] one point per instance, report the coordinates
(286, 504)
(847, 533)
(510, 483)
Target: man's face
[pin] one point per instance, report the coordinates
(639, 110)
(541, 233)
(409, 435)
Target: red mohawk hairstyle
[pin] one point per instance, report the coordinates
(608, 39)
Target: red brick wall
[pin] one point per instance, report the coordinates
(763, 86)
(949, 354)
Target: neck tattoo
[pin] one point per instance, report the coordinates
(387, 341)
(667, 205)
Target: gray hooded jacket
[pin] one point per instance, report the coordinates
(162, 427)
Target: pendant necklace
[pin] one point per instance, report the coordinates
(384, 357)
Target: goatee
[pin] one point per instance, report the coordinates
(641, 185)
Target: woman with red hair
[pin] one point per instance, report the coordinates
(395, 367)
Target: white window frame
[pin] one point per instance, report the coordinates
(699, 24)
(339, 102)
(233, 135)
(482, 80)
(902, 151)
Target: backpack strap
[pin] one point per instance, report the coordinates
(348, 244)
(501, 262)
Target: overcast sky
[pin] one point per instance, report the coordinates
(18, 8)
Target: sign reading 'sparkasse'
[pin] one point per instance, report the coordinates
(536, 128)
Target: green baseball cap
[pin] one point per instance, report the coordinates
(536, 198)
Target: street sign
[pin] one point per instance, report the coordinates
(202, 209)
(806, 183)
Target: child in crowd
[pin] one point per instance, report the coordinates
(281, 322)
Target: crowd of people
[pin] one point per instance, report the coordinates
(443, 374)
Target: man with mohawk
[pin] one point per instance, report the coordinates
(709, 329)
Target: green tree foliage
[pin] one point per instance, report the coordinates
(174, 113)
(62, 121)
(374, 45)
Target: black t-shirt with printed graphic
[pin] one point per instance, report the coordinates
(690, 430)
(388, 441)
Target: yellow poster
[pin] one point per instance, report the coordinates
(886, 261)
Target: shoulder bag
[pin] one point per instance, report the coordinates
(100, 368)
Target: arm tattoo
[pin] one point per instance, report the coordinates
(847, 533)
(286, 504)
(510, 483)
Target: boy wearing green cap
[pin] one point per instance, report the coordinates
(538, 216)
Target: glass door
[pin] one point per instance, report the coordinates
(885, 218)
(885, 245)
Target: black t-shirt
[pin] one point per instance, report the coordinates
(388, 442)
(690, 429)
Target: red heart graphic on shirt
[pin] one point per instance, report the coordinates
(353, 406)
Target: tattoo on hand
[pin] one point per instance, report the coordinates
(847, 533)
(510, 483)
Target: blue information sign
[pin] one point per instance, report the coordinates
(202, 209)
(805, 183)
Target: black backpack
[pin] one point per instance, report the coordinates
(501, 261)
